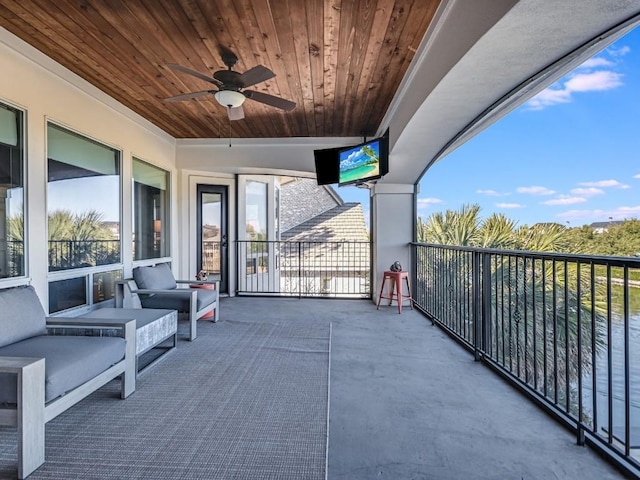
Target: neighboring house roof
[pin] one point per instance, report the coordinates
(605, 225)
(329, 237)
(341, 223)
(334, 243)
(302, 199)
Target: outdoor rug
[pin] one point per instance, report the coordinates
(245, 400)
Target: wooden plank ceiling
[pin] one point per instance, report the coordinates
(340, 61)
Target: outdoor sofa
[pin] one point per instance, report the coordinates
(42, 375)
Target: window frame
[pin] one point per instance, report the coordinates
(166, 228)
(24, 143)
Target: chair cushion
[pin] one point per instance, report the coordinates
(181, 303)
(70, 361)
(157, 277)
(22, 315)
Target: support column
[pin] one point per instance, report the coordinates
(392, 225)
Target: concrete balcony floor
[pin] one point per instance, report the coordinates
(407, 402)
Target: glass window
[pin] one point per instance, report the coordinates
(68, 293)
(256, 213)
(83, 195)
(104, 285)
(150, 211)
(11, 192)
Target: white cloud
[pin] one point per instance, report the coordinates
(596, 62)
(619, 52)
(595, 81)
(587, 192)
(492, 193)
(564, 200)
(535, 190)
(509, 205)
(637, 176)
(547, 97)
(589, 216)
(425, 202)
(604, 184)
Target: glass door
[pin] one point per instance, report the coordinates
(212, 255)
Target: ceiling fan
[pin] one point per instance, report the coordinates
(231, 85)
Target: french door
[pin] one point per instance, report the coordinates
(212, 218)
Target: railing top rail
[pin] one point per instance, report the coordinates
(631, 262)
(337, 242)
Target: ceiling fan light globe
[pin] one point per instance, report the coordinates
(230, 98)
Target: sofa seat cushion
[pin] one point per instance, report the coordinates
(70, 361)
(181, 303)
(22, 315)
(157, 277)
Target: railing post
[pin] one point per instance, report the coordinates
(299, 270)
(476, 295)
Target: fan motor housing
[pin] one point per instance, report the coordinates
(229, 78)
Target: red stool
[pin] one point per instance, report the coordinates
(396, 286)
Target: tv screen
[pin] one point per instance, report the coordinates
(364, 162)
(327, 165)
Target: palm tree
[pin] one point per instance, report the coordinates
(79, 240)
(533, 326)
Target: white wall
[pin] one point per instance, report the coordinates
(48, 92)
(392, 229)
(279, 156)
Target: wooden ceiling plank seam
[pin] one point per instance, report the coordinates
(360, 47)
(46, 34)
(57, 40)
(301, 45)
(119, 45)
(328, 57)
(223, 27)
(206, 49)
(370, 59)
(272, 119)
(286, 39)
(331, 34)
(315, 29)
(243, 48)
(348, 24)
(388, 61)
(268, 32)
(401, 57)
(163, 27)
(117, 85)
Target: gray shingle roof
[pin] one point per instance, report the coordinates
(340, 223)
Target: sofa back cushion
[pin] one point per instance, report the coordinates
(157, 277)
(22, 315)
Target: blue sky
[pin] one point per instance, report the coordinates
(569, 155)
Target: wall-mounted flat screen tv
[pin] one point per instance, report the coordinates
(364, 162)
(327, 165)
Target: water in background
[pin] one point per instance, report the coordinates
(617, 381)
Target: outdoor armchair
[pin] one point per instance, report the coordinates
(156, 287)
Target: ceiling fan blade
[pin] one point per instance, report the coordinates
(189, 96)
(199, 75)
(255, 75)
(235, 113)
(270, 100)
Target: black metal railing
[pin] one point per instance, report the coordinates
(12, 263)
(564, 328)
(305, 269)
(67, 254)
(211, 259)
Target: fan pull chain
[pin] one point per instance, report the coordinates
(229, 130)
